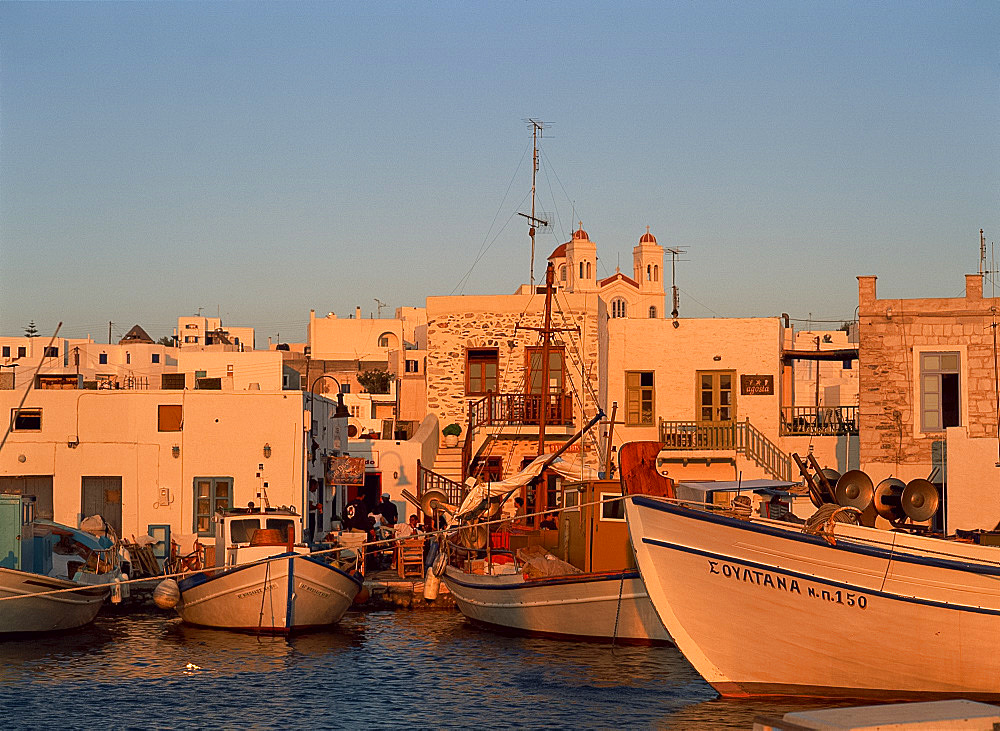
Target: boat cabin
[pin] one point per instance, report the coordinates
(593, 534)
(245, 535)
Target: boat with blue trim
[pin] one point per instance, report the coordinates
(265, 578)
(762, 607)
(52, 576)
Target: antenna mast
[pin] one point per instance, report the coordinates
(379, 304)
(536, 131)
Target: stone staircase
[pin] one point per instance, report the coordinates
(448, 463)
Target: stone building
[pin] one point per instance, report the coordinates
(928, 396)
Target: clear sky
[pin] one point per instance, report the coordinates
(258, 160)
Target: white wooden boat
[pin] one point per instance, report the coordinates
(265, 580)
(588, 606)
(52, 577)
(761, 608)
(587, 588)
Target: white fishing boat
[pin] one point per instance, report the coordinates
(52, 576)
(265, 579)
(760, 607)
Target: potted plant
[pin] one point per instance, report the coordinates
(451, 433)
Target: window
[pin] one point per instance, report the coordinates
(169, 417)
(211, 494)
(5, 352)
(556, 362)
(652, 313)
(618, 307)
(190, 338)
(52, 352)
(412, 366)
(21, 351)
(481, 368)
(581, 270)
(190, 326)
(649, 272)
(172, 381)
(656, 272)
(562, 273)
(939, 391)
(102, 358)
(383, 341)
(26, 419)
(156, 357)
(128, 358)
(611, 509)
(639, 398)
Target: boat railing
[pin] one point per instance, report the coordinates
(819, 420)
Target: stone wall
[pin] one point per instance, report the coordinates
(893, 333)
(456, 324)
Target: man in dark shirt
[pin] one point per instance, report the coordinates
(388, 511)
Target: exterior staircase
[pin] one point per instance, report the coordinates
(448, 463)
(740, 437)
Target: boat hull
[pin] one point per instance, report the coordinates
(35, 611)
(761, 609)
(284, 594)
(598, 607)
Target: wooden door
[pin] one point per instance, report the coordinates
(103, 496)
(38, 485)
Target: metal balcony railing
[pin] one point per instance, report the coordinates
(819, 421)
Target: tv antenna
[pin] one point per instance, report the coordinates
(674, 253)
(379, 304)
(534, 222)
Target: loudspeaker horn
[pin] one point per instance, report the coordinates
(433, 500)
(474, 536)
(887, 498)
(920, 500)
(855, 489)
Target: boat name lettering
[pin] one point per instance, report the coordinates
(753, 576)
(313, 590)
(765, 578)
(258, 590)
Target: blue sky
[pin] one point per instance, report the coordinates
(258, 160)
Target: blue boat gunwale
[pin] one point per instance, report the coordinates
(844, 543)
(201, 577)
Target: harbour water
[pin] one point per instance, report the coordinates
(426, 669)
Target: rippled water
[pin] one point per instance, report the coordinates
(415, 669)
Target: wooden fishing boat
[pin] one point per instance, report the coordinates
(760, 607)
(264, 578)
(52, 577)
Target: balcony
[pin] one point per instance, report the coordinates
(827, 421)
(521, 409)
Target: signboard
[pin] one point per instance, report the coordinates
(757, 385)
(346, 471)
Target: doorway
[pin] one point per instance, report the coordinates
(103, 496)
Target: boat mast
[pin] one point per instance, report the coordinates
(550, 278)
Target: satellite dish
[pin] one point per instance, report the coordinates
(920, 500)
(887, 499)
(855, 489)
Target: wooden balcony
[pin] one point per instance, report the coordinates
(521, 409)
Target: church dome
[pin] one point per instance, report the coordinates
(580, 234)
(647, 238)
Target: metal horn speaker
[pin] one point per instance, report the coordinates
(888, 498)
(474, 536)
(433, 500)
(920, 500)
(855, 489)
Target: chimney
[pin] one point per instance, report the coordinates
(357, 313)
